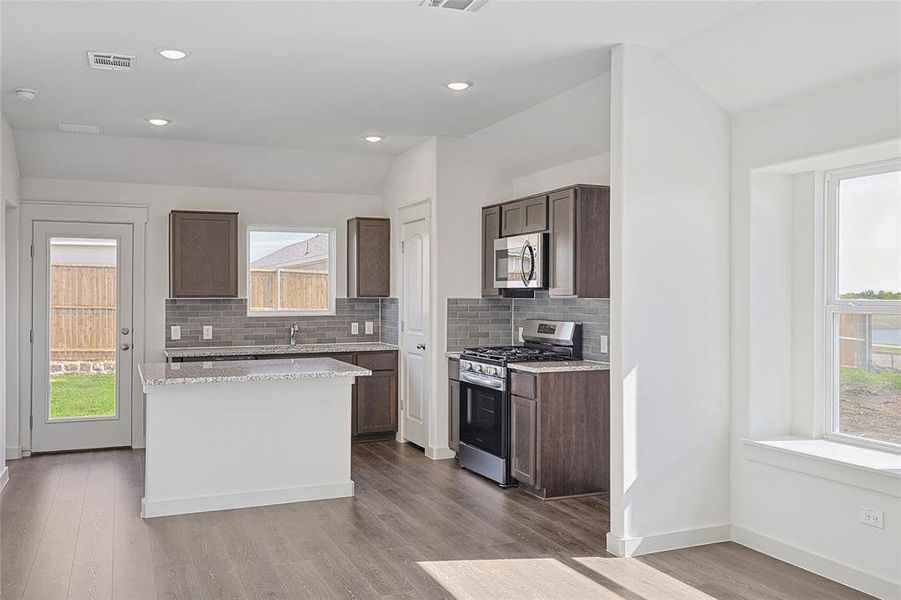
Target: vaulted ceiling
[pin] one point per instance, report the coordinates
(302, 77)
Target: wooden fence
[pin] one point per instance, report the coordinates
(82, 312)
(295, 289)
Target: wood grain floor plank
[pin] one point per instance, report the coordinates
(416, 529)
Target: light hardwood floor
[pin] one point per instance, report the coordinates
(416, 529)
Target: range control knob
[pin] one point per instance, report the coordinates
(477, 367)
(490, 370)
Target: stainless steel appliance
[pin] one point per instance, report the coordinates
(519, 261)
(484, 396)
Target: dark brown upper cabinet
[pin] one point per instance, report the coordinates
(368, 257)
(524, 216)
(491, 230)
(203, 254)
(579, 248)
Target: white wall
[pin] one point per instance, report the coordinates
(255, 207)
(774, 392)
(56, 155)
(669, 308)
(9, 197)
(591, 170)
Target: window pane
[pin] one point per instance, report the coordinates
(83, 304)
(869, 353)
(869, 237)
(289, 270)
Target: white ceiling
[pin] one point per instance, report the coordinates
(317, 75)
(269, 85)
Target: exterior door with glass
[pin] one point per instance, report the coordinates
(81, 340)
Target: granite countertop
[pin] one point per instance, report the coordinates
(559, 366)
(453, 354)
(279, 349)
(157, 374)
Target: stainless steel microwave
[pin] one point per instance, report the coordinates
(519, 261)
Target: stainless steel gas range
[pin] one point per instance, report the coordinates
(485, 398)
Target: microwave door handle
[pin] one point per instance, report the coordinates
(531, 261)
(522, 258)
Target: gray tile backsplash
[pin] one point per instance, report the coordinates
(496, 321)
(232, 326)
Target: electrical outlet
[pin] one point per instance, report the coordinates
(604, 348)
(175, 333)
(207, 332)
(354, 329)
(870, 516)
(519, 336)
(369, 328)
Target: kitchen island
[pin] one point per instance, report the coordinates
(233, 434)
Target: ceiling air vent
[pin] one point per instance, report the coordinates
(110, 62)
(79, 128)
(464, 5)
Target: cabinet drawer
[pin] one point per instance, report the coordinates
(523, 384)
(377, 361)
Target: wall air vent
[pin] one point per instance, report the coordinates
(110, 62)
(79, 128)
(464, 5)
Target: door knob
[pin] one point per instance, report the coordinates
(420, 346)
(125, 346)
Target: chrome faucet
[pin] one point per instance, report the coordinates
(293, 337)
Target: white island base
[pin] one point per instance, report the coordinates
(234, 444)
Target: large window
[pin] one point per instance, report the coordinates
(863, 304)
(290, 271)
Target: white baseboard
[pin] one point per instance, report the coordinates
(440, 453)
(180, 506)
(635, 546)
(13, 453)
(810, 561)
(4, 477)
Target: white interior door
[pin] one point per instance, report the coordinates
(415, 331)
(82, 340)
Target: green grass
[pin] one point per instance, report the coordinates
(863, 378)
(83, 395)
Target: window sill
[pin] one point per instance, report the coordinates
(868, 468)
(291, 313)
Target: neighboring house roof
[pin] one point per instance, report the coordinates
(306, 253)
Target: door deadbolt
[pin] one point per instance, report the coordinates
(126, 331)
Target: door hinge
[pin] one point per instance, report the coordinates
(30, 421)
(401, 325)
(31, 336)
(402, 246)
(31, 250)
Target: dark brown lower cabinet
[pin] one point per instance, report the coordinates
(376, 403)
(560, 433)
(524, 438)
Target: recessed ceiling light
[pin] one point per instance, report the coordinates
(159, 122)
(458, 86)
(172, 53)
(373, 139)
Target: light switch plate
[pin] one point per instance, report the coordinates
(207, 332)
(354, 329)
(369, 328)
(175, 333)
(604, 348)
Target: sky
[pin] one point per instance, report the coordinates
(263, 243)
(870, 233)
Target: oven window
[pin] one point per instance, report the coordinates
(482, 418)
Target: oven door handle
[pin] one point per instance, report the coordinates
(526, 279)
(489, 382)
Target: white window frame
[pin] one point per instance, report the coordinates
(332, 271)
(834, 305)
